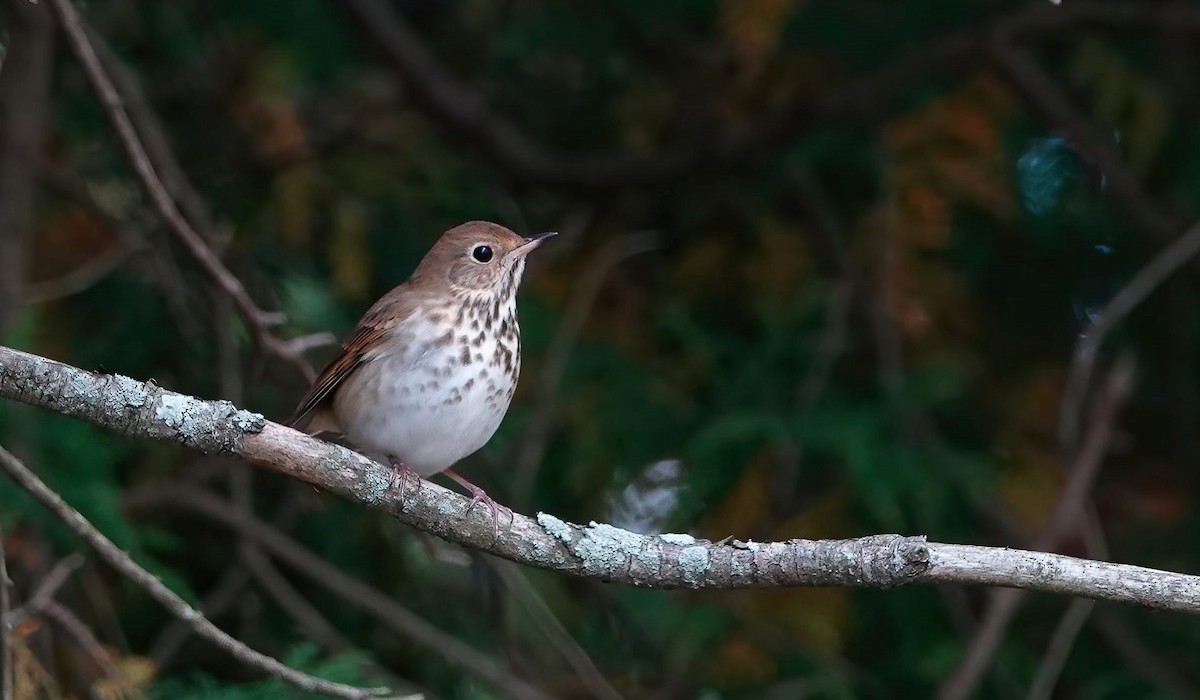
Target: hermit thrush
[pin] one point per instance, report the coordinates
(427, 376)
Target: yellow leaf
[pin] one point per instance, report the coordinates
(349, 255)
(135, 674)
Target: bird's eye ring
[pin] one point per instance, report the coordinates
(482, 253)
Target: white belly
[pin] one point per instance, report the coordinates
(429, 413)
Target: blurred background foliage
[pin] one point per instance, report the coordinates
(822, 271)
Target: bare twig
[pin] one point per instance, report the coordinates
(257, 320)
(598, 550)
(554, 629)
(1169, 260)
(1003, 605)
(78, 280)
(217, 600)
(310, 620)
(383, 608)
(1061, 643)
(154, 138)
(48, 588)
(1041, 91)
(1066, 633)
(225, 593)
(24, 103)
(1140, 660)
(122, 562)
(83, 636)
(314, 624)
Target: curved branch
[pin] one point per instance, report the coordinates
(145, 410)
(257, 320)
(122, 562)
(25, 100)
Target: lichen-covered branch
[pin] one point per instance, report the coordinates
(596, 550)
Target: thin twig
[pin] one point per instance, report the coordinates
(24, 104)
(536, 607)
(122, 562)
(83, 636)
(154, 139)
(78, 280)
(310, 620)
(1169, 260)
(48, 588)
(218, 599)
(226, 592)
(1048, 97)
(1003, 604)
(1142, 661)
(1059, 649)
(382, 607)
(257, 320)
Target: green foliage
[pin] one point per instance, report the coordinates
(973, 242)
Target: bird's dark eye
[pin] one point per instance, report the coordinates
(482, 253)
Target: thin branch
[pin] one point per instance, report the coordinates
(1003, 605)
(1041, 90)
(48, 588)
(1168, 261)
(380, 606)
(122, 562)
(84, 637)
(218, 599)
(225, 593)
(145, 410)
(257, 320)
(1061, 643)
(310, 620)
(555, 631)
(24, 104)
(78, 280)
(1149, 664)
(154, 139)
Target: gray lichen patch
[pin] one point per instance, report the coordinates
(604, 550)
(211, 426)
(372, 486)
(693, 565)
(245, 421)
(556, 528)
(118, 394)
(172, 410)
(675, 538)
(741, 566)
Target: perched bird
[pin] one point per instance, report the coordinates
(428, 374)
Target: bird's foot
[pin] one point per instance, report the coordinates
(401, 473)
(478, 495)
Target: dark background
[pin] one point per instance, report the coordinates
(822, 271)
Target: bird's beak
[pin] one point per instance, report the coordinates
(533, 242)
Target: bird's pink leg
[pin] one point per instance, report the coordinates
(478, 495)
(401, 473)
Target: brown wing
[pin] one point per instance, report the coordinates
(342, 366)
